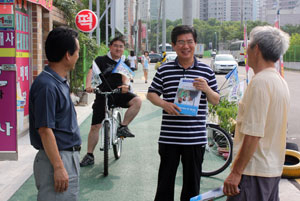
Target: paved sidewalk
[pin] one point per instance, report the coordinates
(14, 173)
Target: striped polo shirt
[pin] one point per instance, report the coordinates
(182, 129)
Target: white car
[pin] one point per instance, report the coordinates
(223, 63)
(171, 57)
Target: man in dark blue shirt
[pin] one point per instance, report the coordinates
(54, 129)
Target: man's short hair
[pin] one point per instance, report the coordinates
(183, 29)
(60, 41)
(118, 38)
(271, 41)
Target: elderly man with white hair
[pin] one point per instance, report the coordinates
(260, 135)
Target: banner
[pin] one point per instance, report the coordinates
(22, 56)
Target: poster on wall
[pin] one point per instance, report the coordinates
(22, 59)
(8, 122)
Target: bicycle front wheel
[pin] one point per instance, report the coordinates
(117, 144)
(218, 151)
(106, 146)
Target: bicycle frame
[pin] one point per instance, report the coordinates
(111, 118)
(108, 133)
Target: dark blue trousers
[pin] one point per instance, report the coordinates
(191, 157)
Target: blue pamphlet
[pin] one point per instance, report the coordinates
(187, 97)
(210, 195)
(123, 69)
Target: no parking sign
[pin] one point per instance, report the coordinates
(86, 20)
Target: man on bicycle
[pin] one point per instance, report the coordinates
(126, 99)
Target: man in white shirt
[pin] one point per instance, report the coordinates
(260, 135)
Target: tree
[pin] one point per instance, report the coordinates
(70, 9)
(295, 39)
(290, 29)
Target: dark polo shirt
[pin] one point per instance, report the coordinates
(50, 105)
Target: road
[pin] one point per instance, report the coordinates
(293, 80)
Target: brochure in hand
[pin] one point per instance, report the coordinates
(209, 195)
(187, 97)
(123, 69)
(96, 81)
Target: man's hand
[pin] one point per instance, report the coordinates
(171, 108)
(89, 89)
(201, 84)
(61, 179)
(231, 184)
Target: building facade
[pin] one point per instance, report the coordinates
(289, 11)
(23, 33)
(228, 10)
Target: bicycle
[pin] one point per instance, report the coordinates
(109, 129)
(218, 150)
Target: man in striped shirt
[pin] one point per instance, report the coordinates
(182, 136)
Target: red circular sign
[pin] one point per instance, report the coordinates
(86, 20)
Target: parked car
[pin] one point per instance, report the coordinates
(223, 63)
(171, 56)
(154, 57)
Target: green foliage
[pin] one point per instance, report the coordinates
(71, 8)
(225, 112)
(293, 53)
(290, 29)
(226, 31)
(295, 39)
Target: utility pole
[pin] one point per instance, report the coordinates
(187, 12)
(113, 18)
(242, 14)
(91, 8)
(164, 27)
(98, 26)
(136, 28)
(157, 27)
(106, 24)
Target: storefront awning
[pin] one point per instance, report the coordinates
(45, 3)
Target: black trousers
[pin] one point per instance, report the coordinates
(191, 158)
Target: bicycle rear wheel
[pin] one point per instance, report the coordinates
(117, 144)
(218, 151)
(106, 146)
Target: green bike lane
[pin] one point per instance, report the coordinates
(133, 177)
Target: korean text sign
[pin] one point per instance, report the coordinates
(86, 20)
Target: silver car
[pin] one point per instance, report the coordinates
(223, 63)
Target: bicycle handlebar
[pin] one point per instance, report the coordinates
(114, 91)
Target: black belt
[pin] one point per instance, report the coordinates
(74, 148)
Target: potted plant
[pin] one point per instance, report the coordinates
(224, 114)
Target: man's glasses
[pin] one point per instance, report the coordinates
(183, 42)
(118, 46)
